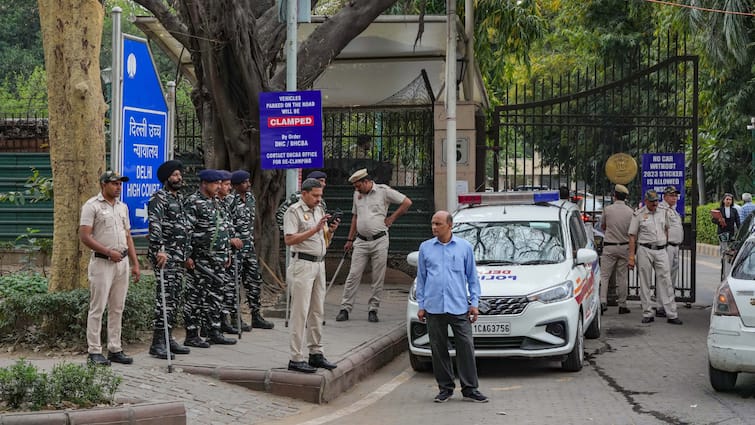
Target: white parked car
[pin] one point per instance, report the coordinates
(731, 336)
(539, 278)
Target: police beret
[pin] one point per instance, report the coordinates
(224, 174)
(317, 175)
(210, 175)
(651, 195)
(167, 168)
(358, 175)
(670, 189)
(239, 176)
(620, 188)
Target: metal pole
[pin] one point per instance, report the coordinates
(751, 127)
(292, 174)
(165, 319)
(170, 135)
(238, 292)
(116, 99)
(451, 106)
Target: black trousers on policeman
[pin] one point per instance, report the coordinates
(437, 328)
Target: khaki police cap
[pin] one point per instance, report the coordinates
(620, 188)
(358, 175)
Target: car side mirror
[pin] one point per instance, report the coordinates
(586, 256)
(413, 258)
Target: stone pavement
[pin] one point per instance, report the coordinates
(207, 380)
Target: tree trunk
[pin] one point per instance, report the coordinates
(71, 36)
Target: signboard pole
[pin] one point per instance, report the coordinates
(116, 99)
(292, 174)
(170, 132)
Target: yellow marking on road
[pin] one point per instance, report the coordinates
(513, 387)
(368, 400)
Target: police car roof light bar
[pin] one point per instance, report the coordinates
(509, 198)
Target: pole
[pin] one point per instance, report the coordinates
(238, 292)
(116, 98)
(751, 127)
(170, 135)
(292, 174)
(451, 106)
(165, 319)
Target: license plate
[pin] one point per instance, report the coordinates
(491, 328)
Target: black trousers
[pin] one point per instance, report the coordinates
(437, 328)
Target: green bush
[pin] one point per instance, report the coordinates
(31, 315)
(706, 229)
(23, 386)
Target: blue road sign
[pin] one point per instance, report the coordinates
(291, 129)
(660, 170)
(144, 115)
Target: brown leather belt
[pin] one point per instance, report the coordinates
(374, 237)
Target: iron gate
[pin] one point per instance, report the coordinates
(562, 131)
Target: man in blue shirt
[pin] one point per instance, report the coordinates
(445, 271)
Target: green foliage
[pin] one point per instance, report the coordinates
(23, 386)
(20, 39)
(30, 315)
(706, 229)
(25, 93)
(38, 189)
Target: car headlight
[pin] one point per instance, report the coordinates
(560, 292)
(413, 292)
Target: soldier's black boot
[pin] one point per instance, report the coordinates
(157, 349)
(194, 340)
(217, 337)
(259, 322)
(175, 347)
(246, 327)
(227, 327)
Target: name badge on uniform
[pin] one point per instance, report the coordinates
(645, 216)
(306, 217)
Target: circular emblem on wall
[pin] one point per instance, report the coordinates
(621, 168)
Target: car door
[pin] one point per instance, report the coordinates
(585, 288)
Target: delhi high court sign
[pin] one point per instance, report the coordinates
(144, 114)
(291, 129)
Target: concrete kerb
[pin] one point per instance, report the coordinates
(157, 413)
(318, 387)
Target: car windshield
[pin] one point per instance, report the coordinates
(512, 242)
(744, 268)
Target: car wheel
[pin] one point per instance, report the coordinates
(721, 380)
(593, 331)
(420, 364)
(575, 359)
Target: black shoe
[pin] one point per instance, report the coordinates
(660, 312)
(120, 357)
(196, 341)
(246, 327)
(98, 359)
(259, 322)
(674, 321)
(343, 316)
(648, 319)
(217, 337)
(475, 396)
(176, 348)
(301, 367)
(443, 396)
(158, 349)
(372, 316)
(319, 360)
(603, 308)
(226, 327)
(624, 310)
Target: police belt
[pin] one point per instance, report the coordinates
(307, 257)
(107, 257)
(674, 244)
(655, 247)
(615, 243)
(374, 237)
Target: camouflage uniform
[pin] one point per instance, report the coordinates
(167, 232)
(209, 246)
(245, 215)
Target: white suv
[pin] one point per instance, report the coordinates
(539, 278)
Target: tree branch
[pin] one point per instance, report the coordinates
(168, 19)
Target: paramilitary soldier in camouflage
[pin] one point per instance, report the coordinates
(294, 198)
(167, 241)
(243, 207)
(208, 255)
(230, 302)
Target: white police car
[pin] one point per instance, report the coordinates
(539, 278)
(731, 336)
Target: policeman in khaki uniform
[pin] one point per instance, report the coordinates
(648, 234)
(304, 229)
(368, 235)
(615, 224)
(675, 237)
(105, 229)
